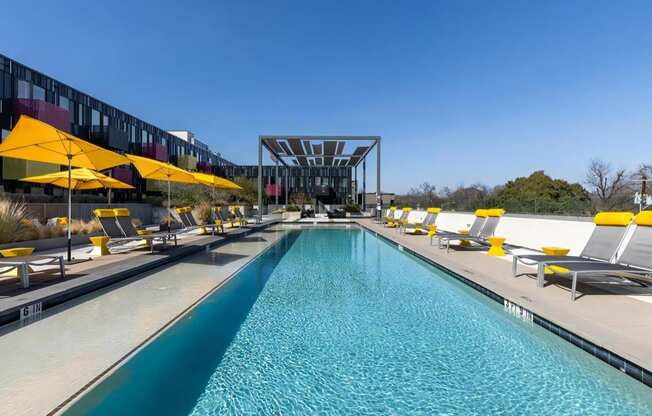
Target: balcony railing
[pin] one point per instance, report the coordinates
(44, 111)
(155, 151)
(187, 162)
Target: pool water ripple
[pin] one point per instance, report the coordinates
(345, 324)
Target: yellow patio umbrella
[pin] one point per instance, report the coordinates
(162, 171)
(37, 141)
(81, 179)
(215, 181)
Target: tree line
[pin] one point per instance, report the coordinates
(604, 188)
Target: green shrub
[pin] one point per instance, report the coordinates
(292, 208)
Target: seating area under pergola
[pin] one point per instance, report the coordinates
(320, 151)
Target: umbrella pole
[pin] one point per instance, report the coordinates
(169, 212)
(69, 208)
(109, 197)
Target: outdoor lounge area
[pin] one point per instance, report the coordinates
(326, 208)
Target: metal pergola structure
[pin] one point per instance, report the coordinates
(320, 151)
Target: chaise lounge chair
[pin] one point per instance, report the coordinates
(109, 222)
(634, 263)
(394, 221)
(427, 224)
(474, 230)
(22, 265)
(487, 229)
(607, 236)
(389, 215)
(190, 223)
(240, 219)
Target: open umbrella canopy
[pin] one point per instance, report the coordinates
(80, 179)
(162, 171)
(215, 181)
(35, 140)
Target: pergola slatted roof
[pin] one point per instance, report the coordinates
(318, 151)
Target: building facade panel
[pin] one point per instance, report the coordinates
(26, 91)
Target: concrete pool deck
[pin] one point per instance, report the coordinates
(77, 342)
(49, 289)
(615, 317)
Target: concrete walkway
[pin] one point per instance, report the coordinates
(85, 276)
(46, 363)
(610, 316)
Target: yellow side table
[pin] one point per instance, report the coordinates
(464, 243)
(496, 248)
(16, 252)
(432, 230)
(555, 251)
(100, 245)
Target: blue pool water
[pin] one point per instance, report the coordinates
(339, 322)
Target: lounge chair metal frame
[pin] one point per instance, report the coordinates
(601, 248)
(118, 236)
(634, 262)
(22, 263)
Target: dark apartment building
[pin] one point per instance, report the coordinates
(24, 90)
(328, 185)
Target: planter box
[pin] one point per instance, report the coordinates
(291, 216)
(51, 243)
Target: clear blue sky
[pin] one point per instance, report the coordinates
(460, 91)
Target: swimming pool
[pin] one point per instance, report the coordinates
(337, 321)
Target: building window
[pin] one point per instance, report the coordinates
(143, 136)
(64, 102)
(23, 89)
(95, 118)
(7, 92)
(80, 114)
(4, 133)
(38, 93)
(105, 120)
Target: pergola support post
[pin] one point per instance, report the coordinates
(364, 184)
(379, 197)
(260, 180)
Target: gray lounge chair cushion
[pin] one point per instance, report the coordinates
(639, 249)
(604, 242)
(598, 267)
(545, 258)
(110, 227)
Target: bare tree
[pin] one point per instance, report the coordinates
(611, 188)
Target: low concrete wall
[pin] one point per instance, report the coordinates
(533, 231)
(85, 211)
(51, 243)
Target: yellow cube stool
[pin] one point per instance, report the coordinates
(16, 252)
(555, 251)
(100, 245)
(464, 243)
(496, 248)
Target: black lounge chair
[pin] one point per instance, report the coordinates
(238, 217)
(634, 263)
(123, 218)
(109, 222)
(190, 223)
(602, 246)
